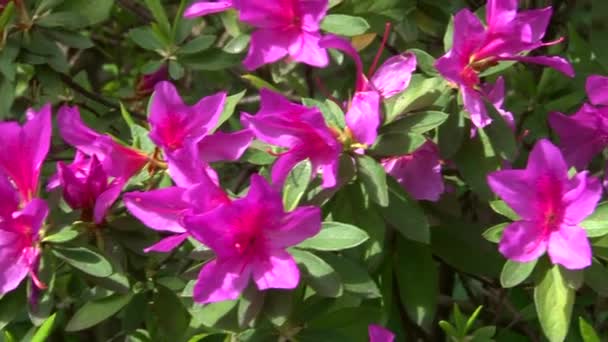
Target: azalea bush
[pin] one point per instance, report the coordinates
(303, 170)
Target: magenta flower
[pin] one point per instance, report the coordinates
(299, 129)
(391, 78)
(163, 209)
(379, 334)
(249, 237)
(87, 187)
(597, 90)
(475, 48)
(284, 27)
(551, 207)
(147, 82)
(183, 133)
(419, 172)
(363, 114)
(19, 229)
(24, 149)
(118, 161)
(582, 135)
(202, 8)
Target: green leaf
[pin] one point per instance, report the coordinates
(249, 306)
(6, 15)
(500, 207)
(587, 332)
(355, 278)
(69, 20)
(418, 280)
(596, 277)
(237, 44)
(12, 304)
(173, 325)
(145, 38)
(475, 160)
(176, 70)
(417, 123)
(501, 135)
(426, 62)
(259, 83)
(344, 25)
(494, 233)
(72, 39)
(277, 306)
(421, 93)
(452, 134)
(596, 224)
(93, 12)
(197, 44)
(514, 273)
(296, 184)
(158, 12)
(373, 177)
(554, 301)
(95, 312)
(229, 106)
(318, 274)
(335, 236)
(42, 334)
(64, 235)
(85, 260)
(333, 114)
(405, 215)
(397, 144)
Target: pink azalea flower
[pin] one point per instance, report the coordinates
(302, 130)
(249, 237)
(163, 209)
(19, 229)
(391, 78)
(118, 161)
(475, 48)
(551, 207)
(202, 8)
(87, 187)
(284, 27)
(379, 334)
(419, 172)
(147, 82)
(183, 133)
(597, 90)
(23, 150)
(584, 134)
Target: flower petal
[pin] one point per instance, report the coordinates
(363, 116)
(202, 8)
(522, 241)
(597, 90)
(380, 334)
(222, 146)
(394, 75)
(546, 158)
(296, 226)
(105, 201)
(159, 209)
(167, 244)
(266, 46)
(581, 198)
(476, 107)
(305, 49)
(569, 247)
(558, 63)
(515, 188)
(221, 280)
(278, 271)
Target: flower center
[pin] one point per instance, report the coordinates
(172, 131)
